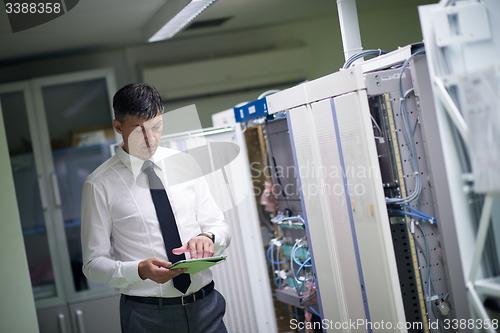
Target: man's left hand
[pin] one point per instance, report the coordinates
(198, 247)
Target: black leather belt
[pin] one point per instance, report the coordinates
(186, 299)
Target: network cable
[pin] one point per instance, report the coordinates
(297, 276)
(408, 136)
(430, 284)
(268, 256)
(275, 265)
(381, 134)
(279, 285)
(415, 213)
(295, 248)
(290, 312)
(362, 54)
(409, 214)
(269, 92)
(311, 309)
(300, 282)
(406, 129)
(433, 220)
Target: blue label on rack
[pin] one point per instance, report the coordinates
(251, 110)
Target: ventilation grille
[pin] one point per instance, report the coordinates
(229, 74)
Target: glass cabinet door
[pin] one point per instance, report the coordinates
(77, 117)
(27, 171)
(59, 130)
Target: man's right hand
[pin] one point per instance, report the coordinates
(157, 270)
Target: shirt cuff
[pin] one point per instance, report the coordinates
(131, 271)
(218, 247)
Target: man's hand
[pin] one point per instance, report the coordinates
(198, 247)
(157, 270)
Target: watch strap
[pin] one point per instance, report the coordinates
(208, 234)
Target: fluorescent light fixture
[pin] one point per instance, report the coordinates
(177, 19)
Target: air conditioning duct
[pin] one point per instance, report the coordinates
(229, 74)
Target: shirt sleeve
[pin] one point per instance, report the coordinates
(98, 265)
(210, 217)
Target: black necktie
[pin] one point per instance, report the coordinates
(168, 226)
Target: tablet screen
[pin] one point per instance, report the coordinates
(197, 265)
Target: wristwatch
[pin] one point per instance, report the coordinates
(209, 235)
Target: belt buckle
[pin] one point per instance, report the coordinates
(184, 303)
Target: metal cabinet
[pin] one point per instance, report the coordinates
(41, 118)
(54, 319)
(84, 315)
(95, 315)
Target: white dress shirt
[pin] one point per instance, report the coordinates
(118, 213)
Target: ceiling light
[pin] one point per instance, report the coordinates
(177, 15)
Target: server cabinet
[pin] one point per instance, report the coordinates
(370, 197)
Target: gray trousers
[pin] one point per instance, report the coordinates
(203, 316)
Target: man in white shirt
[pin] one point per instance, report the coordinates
(121, 211)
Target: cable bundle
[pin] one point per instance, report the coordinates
(362, 54)
(408, 132)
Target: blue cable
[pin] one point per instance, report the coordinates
(419, 212)
(300, 268)
(288, 310)
(418, 216)
(268, 256)
(268, 253)
(310, 308)
(431, 219)
(295, 258)
(407, 213)
(279, 285)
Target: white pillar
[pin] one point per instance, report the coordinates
(17, 307)
(349, 27)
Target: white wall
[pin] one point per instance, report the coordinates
(17, 307)
(388, 28)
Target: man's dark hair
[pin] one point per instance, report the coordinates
(141, 100)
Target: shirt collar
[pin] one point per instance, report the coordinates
(134, 164)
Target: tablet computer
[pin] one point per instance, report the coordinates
(197, 265)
